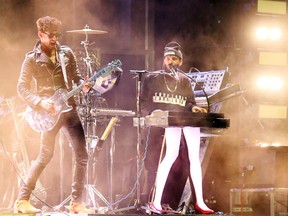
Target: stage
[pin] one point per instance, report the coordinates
(65, 213)
(128, 211)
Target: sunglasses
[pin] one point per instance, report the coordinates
(51, 35)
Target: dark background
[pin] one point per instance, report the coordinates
(214, 35)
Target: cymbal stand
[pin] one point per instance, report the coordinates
(87, 59)
(91, 139)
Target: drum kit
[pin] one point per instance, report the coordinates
(89, 63)
(89, 103)
(92, 108)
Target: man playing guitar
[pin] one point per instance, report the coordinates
(53, 67)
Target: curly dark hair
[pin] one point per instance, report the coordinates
(48, 23)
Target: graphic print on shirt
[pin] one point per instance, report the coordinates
(169, 99)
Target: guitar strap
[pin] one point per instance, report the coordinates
(62, 63)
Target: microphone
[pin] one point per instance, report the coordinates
(173, 70)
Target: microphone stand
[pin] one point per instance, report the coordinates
(138, 116)
(90, 138)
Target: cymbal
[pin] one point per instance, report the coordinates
(87, 31)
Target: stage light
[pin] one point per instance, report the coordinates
(276, 83)
(272, 111)
(262, 144)
(270, 83)
(268, 33)
(262, 33)
(275, 34)
(272, 7)
(269, 144)
(262, 82)
(276, 144)
(270, 58)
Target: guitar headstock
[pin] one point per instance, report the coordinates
(112, 66)
(107, 70)
(115, 63)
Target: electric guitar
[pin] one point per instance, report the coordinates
(41, 120)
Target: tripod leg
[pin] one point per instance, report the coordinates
(100, 196)
(66, 200)
(91, 195)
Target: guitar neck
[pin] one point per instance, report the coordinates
(103, 71)
(74, 91)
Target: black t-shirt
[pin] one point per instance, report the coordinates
(160, 91)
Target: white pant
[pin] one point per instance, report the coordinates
(173, 137)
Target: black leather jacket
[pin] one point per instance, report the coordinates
(48, 76)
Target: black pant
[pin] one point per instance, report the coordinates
(73, 130)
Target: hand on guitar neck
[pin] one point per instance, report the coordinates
(87, 85)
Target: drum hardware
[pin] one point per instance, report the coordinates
(89, 121)
(102, 84)
(110, 129)
(106, 133)
(95, 60)
(89, 124)
(111, 112)
(86, 30)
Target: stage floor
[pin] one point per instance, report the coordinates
(68, 214)
(126, 213)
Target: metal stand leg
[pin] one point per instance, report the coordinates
(60, 206)
(91, 144)
(112, 150)
(90, 189)
(89, 124)
(138, 165)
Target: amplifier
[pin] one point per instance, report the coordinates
(258, 201)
